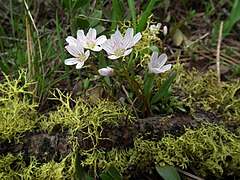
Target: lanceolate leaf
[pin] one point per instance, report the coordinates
(114, 173)
(148, 84)
(146, 14)
(163, 89)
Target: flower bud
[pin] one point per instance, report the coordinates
(106, 71)
(165, 30)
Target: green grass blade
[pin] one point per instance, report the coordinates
(233, 18)
(131, 5)
(116, 16)
(146, 14)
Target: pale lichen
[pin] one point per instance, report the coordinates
(211, 149)
(17, 113)
(203, 92)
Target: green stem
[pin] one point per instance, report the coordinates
(139, 94)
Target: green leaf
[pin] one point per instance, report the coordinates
(146, 14)
(95, 18)
(114, 173)
(148, 84)
(89, 178)
(163, 89)
(86, 84)
(81, 23)
(99, 29)
(79, 169)
(168, 173)
(178, 37)
(105, 177)
(154, 48)
(79, 3)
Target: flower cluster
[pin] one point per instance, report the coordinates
(154, 29)
(117, 46)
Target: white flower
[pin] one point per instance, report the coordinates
(106, 71)
(154, 27)
(90, 41)
(79, 56)
(156, 64)
(118, 46)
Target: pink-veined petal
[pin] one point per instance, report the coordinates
(156, 70)
(92, 34)
(71, 61)
(162, 60)
(154, 58)
(87, 54)
(166, 67)
(113, 57)
(129, 33)
(73, 50)
(100, 40)
(80, 36)
(136, 38)
(97, 48)
(71, 40)
(79, 65)
(127, 52)
(116, 37)
(107, 46)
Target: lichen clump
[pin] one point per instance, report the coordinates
(17, 113)
(211, 149)
(203, 92)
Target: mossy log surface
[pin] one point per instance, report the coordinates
(54, 146)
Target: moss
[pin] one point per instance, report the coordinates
(17, 113)
(203, 92)
(83, 116)
(14, 167)
(212, 150)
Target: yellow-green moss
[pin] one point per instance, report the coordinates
(17, 113)
(14, 167)
(203, 92)
(207, 149)
(83, 117)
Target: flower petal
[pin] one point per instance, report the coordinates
(87, 54)
(79, 65)
(162, 60)
(113, 57)
(136, 38)
(97, 48)
(71, 61)
(92, 34)
(81, 36)
(129, 33)
(150, 67)
(154, 57)
(166, 67)
(116, 37)
(71, 40)
(73, 50)
(100, 40)
(107, 46)
(127, 52)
